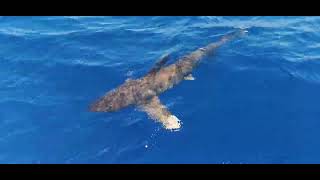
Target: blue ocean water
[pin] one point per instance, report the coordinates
(255, 101)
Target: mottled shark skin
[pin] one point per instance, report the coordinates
(143, 92)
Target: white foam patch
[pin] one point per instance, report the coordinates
(129, 73)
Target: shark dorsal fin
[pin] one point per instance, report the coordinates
(160, 63)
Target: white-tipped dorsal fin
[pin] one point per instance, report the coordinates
(159, 112)
(189, 77)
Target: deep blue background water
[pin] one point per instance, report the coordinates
(255, 101)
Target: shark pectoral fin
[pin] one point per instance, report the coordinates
(159, 112)
(189, 77)
(160, 63)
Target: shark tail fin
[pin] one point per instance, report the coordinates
(209, 49)
(233, 35)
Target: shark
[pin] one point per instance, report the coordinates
(144, 92)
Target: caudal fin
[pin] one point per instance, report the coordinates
(233, 35)
(223, 40)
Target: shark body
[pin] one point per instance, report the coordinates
(143, 92)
